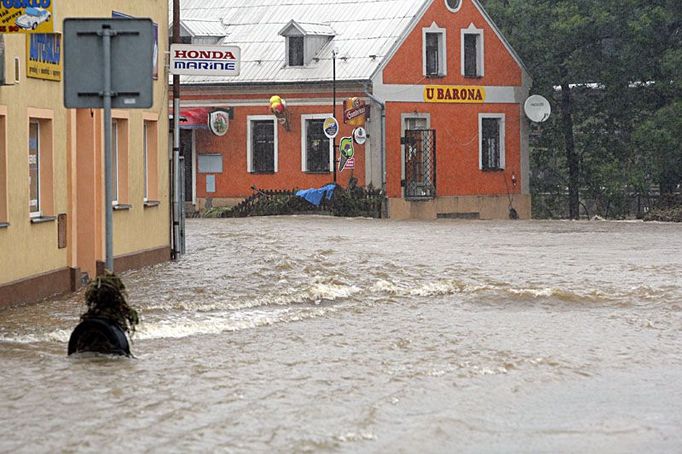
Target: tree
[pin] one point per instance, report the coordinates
(611, 68)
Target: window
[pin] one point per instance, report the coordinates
(34, 168)
(114, 160)
(434, 51)
(491, 141)
(151, 161)
(145, 160)
(453, 5)
(262, 144)
(295, 50)
(17, 70)
(40, 202)
(472, 52)
(316, 146)
(3, 165)
(432, 54)
(119, 161)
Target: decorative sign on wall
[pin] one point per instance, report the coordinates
(354, 111)
(330, 127)
(26, 16)
(454, 94)
(204, 60)
(347, 151)
(218, 122)
(44, 56)
(360, 135)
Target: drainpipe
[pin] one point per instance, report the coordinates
(382, 125)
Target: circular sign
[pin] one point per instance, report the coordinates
(330, 127)
(360, 135)
(537, 108)
(218, 122)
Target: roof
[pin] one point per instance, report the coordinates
(308, 29)
(364, 33)
(204, 27)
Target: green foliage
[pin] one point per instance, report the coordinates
(621, 61)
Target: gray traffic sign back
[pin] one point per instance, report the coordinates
(132, 52)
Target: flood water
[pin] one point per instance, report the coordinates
(318, 334)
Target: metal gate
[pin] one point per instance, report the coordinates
(420, 163)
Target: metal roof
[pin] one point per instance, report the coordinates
(308, 29)
(204, 27)
(364, 33)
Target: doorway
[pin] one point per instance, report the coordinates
(187, 152)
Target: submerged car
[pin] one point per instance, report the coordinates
(32, 18)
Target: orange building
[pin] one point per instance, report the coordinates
(443, 90)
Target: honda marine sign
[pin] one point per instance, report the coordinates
(191, 60)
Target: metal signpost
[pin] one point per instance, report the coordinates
(108, 63)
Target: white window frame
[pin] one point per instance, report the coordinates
(455, 9)
(442, 50)
(304, 148)
(145, 159)
(502, 127)
(404, 118)
(114, 160)
(38, 213)
(288, 50)
(249, 152)
(480, 49)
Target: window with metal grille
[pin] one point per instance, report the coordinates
(471, 55)
(317, 147)
(433, 54)
(263, 140)
(491, 148)
(295, 50)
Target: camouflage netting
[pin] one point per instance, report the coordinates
(106, 297)
(351, 202)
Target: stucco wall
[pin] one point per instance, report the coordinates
(29, 249)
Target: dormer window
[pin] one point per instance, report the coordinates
(303, 41)
(295, 50)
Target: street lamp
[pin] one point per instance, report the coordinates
(334, 52)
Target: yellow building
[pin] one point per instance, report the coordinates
(52, 230)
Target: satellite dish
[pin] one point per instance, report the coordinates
(537, 108)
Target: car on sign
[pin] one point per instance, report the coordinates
(32, 18)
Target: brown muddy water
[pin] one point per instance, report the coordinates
(317, 334)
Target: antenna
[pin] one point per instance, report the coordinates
(537, 108)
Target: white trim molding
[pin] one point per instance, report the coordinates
(304, 134)
(480, 48)
(502, 127)
(442, 49)
(249, 152)
(455, 8)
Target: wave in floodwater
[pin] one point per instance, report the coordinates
(217, 312)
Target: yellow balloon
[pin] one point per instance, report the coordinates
(275, 99)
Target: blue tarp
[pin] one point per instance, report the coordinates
(315, 196)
